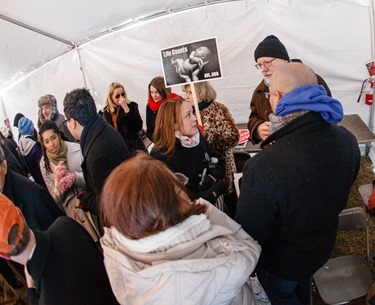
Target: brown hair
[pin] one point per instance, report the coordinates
(169, 115)
(159, 84)
(110, 105)
(133, 203)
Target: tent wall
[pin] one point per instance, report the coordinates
(332, 37)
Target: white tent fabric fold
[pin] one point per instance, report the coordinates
(119, 41)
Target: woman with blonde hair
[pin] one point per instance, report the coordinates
(220, 131)
(160, 248)
(123, 114)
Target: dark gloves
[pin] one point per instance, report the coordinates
(207, 182)
(216, 189)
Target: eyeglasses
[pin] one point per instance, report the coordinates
(65, 122)
(268, 94)
(117, 96)
(266, 64)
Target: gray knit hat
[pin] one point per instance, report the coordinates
(271, 46)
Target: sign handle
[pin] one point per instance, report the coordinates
(195, 101)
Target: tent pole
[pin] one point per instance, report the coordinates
(41, 32)
(80, 66)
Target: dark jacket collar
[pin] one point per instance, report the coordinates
(311, 119)
(91, 133)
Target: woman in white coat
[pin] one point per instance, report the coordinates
(61, 170)
(160, 248)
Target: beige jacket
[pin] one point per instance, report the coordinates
(211, 267)
(68, 200)
(74, 157)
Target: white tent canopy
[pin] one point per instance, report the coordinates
(53, 47)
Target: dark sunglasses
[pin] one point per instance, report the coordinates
(117, 96)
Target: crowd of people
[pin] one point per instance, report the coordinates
(89, 215)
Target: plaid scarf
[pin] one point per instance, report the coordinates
(278, 122)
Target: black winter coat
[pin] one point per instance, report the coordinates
(128, 125)
(103, 150)
(293, 191)
(67, 267)
(191, 162)
(35, 202)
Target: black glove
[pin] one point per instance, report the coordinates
(217, 189)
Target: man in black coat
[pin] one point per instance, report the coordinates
(64, 265)
(36, 204)
(294, 189)
(103, 148)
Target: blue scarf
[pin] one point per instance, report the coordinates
(313, 98)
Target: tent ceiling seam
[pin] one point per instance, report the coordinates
(169, 12)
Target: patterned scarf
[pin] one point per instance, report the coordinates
(61, 156)
(278, 122)
(188, 142)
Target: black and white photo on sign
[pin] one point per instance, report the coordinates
(191, 62)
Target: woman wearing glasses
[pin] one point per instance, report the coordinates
(161, 248)
(123, 114)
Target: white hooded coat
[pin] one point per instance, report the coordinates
(207, 259)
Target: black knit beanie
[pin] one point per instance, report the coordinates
(271, 47)
(17, 117)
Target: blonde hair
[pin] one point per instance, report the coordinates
(110, 105)
(203, 90)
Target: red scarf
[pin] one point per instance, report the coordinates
(155, 106)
